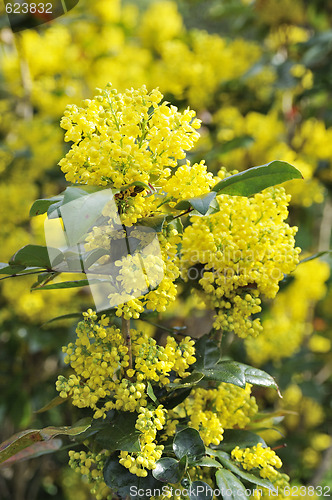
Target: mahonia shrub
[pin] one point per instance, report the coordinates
(171, 416)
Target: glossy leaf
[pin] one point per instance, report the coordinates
(199, 490)
(241, 438)
(120, 433)
(229, 485)
(199, 203)
(188, 443)
(168, 470)
(208, 462)
(256, 179)
(151, 394)
(157, 222)
(227, 371)
(121, 481)
(11, 270)
(207, 353)
(189, 381)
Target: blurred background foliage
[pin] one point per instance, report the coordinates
(258, 74)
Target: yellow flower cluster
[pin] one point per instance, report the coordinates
(258, 457)
(289, 313)
(148, 422)
(210, 411)
(124, 137)
(100, 360)
(91, 465)
(245, 248)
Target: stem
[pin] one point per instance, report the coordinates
(127, 338)
(184, 213)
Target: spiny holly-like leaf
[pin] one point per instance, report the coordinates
(199, 203)
(256, 179)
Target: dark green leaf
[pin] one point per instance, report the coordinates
(121, 481)
(231, 465)
(121, 433)
(68, 284)
(199, 203)
(7, 269)
(33, 255)
(208, 462)
(157, 222)
(226, 371)
(168, 471)
(259, 377)
(200, 491)
(229, 485)
(188, 443)
(175, 398)
(33, 451)
(41, 206)
(207, 353)
(189, 381)
(241, 438)
(256, 179)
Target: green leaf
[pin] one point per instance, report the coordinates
(189, 381)
(316, 256)
(200, 491)
(241, 438)
(24, 439)
(226, 371)
(141, 184)
(239, 374)
(208, 462)
(229, 485)
(52, 404)
(231, 465)
(33, 451)
(168, 471)
(199, 203)
(42, 205)
(207, 353)
(7, 269)
(156, 222)
(68, 284)
(121, 481)
(120, 433)
(256, 179)
(188, 443)
(33, 255)
(175, 398)
(151, 394)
